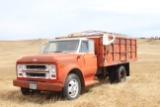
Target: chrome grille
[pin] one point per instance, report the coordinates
(36, 75)
(36, 67)
(36, 71)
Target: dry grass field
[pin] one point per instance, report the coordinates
(142, 88)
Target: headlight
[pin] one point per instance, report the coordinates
(19, 70)
(52, 70)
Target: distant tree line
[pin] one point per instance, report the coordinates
(155, 38)
(151, 38)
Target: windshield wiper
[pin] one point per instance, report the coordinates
(58, 51)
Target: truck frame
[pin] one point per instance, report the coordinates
(69, 64)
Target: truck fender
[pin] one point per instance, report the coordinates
(68, 69)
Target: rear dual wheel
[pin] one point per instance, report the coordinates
(121, 74)
(118, 75)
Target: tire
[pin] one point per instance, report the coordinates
(36, 91)
(25, 91)
(120, 74)
(72, 87)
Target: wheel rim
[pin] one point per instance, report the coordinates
(122, 76)
(73, 88)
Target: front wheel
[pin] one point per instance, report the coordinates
(25, 91)
(72, 87)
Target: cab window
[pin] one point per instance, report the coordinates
(84, 47)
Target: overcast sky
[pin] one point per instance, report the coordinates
(30, 19)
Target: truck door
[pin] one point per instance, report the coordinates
(89, 60)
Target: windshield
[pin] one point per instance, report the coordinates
(61, 46)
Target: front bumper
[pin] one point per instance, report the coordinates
(40, 85)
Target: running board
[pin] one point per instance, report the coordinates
(91, 82)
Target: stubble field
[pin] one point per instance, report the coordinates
(142, 88)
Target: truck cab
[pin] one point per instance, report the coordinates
(66, 65)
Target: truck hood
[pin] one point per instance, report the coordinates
(48, 58)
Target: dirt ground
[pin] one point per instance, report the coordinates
(142, 88)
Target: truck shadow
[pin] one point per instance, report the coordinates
(43, 97)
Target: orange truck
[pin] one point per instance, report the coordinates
(69, 64)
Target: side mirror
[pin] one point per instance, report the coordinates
(106, 40)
